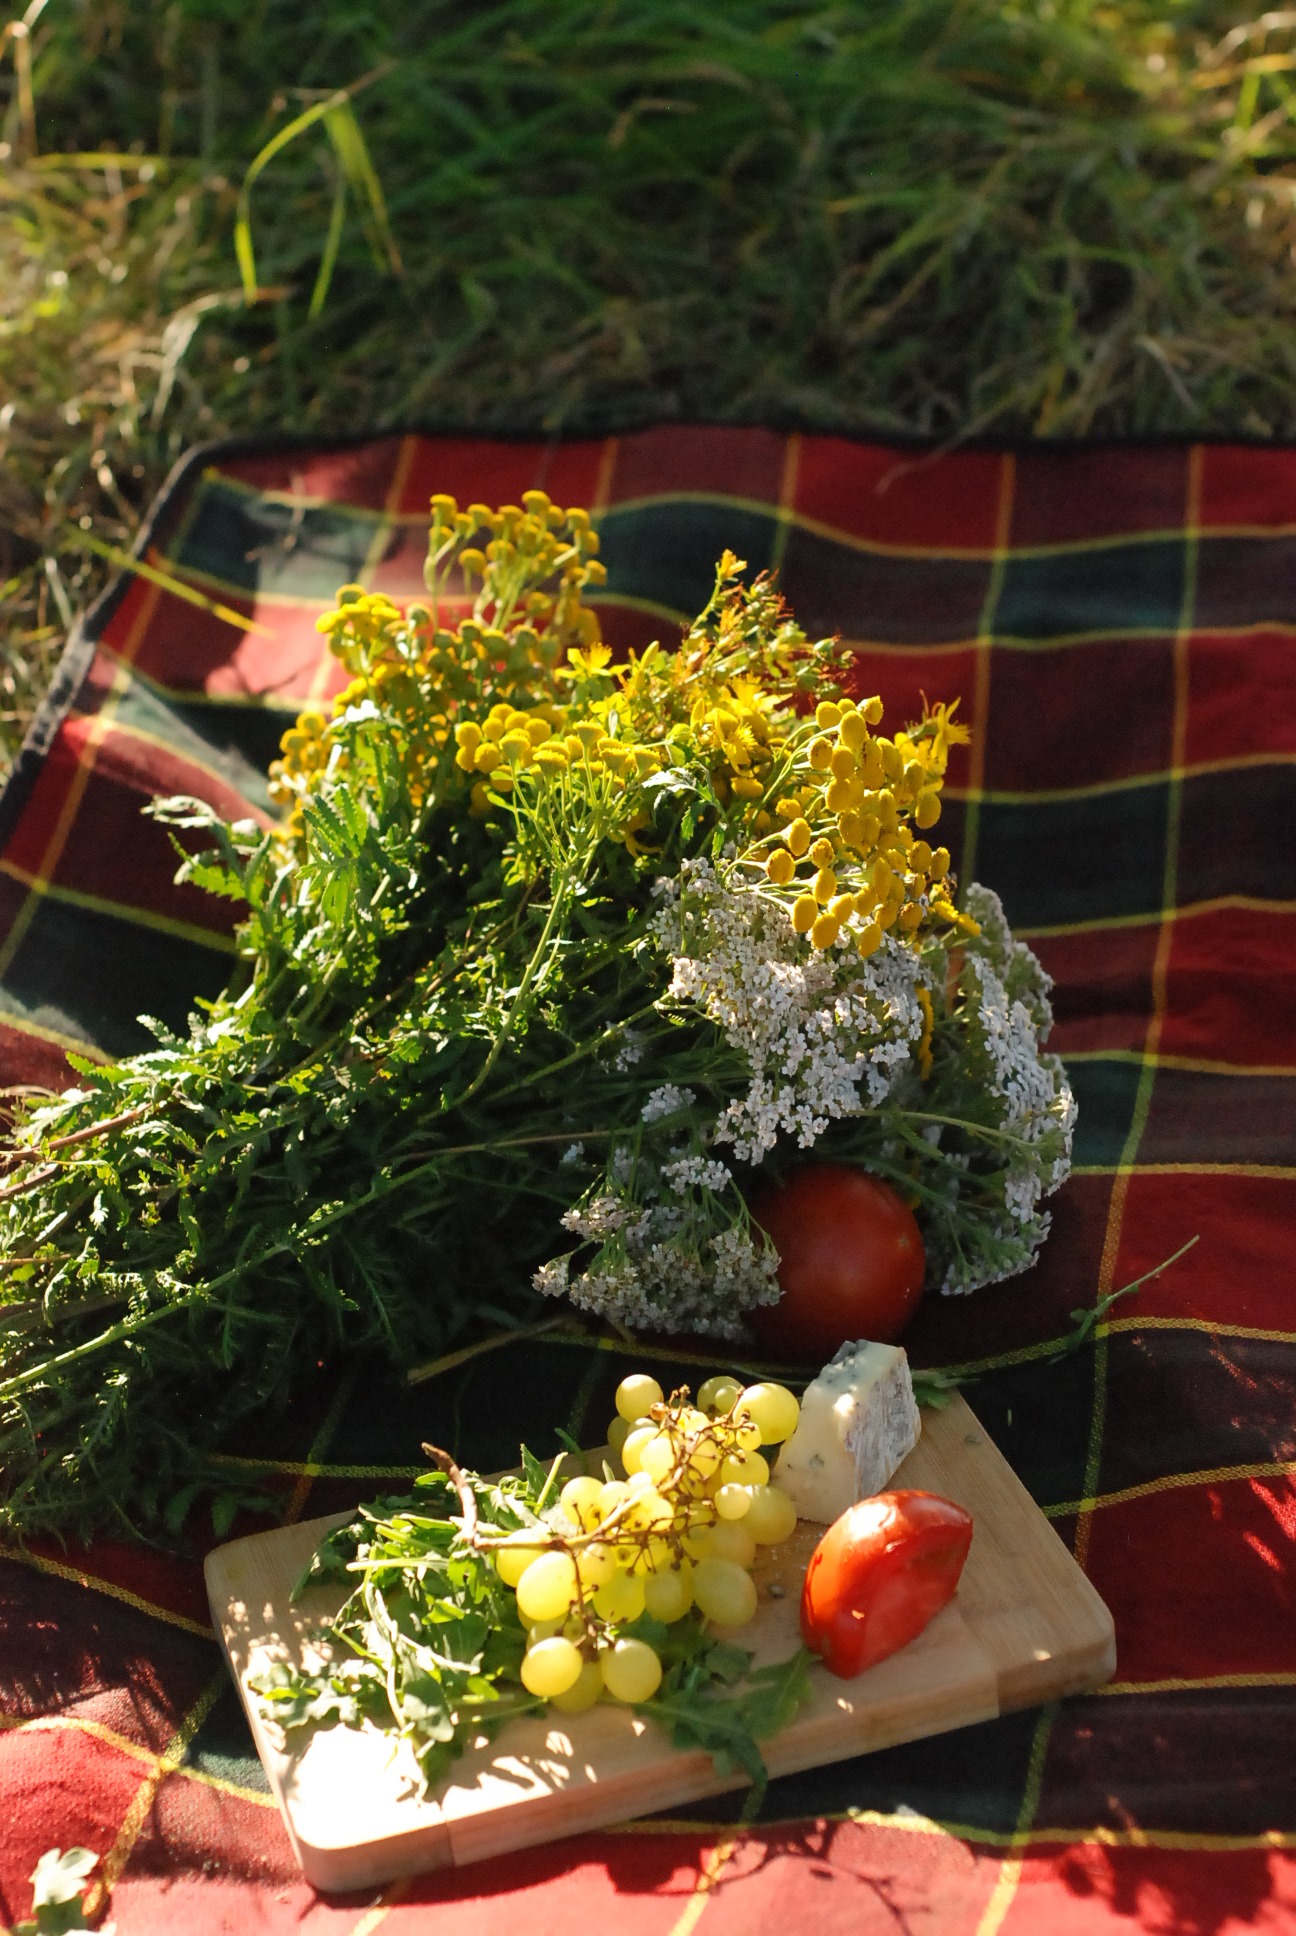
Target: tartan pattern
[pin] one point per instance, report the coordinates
(1119, 622)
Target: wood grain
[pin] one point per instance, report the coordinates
(1026, 1626)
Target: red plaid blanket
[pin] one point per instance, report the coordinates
(1121, 625)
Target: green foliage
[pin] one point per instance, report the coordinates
(430, 1640)
(428, 1643)
(1085, 1321)
(453, 1015)
(939, 216)
(711, 1698)
(355, 171)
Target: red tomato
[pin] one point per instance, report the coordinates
(851, 1261)
(879, 1574)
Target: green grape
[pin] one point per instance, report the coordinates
(657, 1457)
(745, 1469)
(622, 1599)
(511, 1562)
(579, 1500)
(597, 1563)
(617, 1433)
(772, 1516)
(551, 1667)
(572, 1626)
(636, 1396)
(733, 1502)
(648, 1509)
(723, 1591)
(730, 1540)
(634, 1445)
(705, 1459)
(748, 1435)
(652, 1557)
(548, 1587)
(668, 1595)
(689, 1420)
(697, 1542)
(631, 1671)
(773, 1409)
(613, 1494)
(719, 1394)
(689, 1487)
(584, 1693)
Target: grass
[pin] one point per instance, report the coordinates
(946, 217)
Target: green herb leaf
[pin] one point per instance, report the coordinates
(428, 1644)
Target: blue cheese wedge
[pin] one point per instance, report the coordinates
(859, 1419)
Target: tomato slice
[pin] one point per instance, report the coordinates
(878, 1576)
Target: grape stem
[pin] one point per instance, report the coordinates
(573, 1543)
(468, 1503)
(467, 1497)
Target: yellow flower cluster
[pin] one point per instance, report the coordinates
(511, 741)
(425, 677)
(848, 858)
(537, 539)
(722, 700)
(732, 730)
(518, 702)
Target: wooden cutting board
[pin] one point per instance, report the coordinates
(1025, 1627)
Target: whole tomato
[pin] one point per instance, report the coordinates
(851, 1261)
(879, 1574)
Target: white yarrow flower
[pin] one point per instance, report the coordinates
(822, 1036)
(666, 1101)
(697, 1173)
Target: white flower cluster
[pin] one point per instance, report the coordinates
(746, 1274)
(822, 1033)
(666, 1101)
(1016, 1247)
(813, 1037)
(655, 1276)
(696, 1172)
(598, 1219)
(1036, 1095)
(668, 1254)
(551, 1278)
(1040, 1107)
(1005, 994)
(629, 1052)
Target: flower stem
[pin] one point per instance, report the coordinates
(557, 906)
(128, 1328)
(972, 1129)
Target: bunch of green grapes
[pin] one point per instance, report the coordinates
(677, 1536)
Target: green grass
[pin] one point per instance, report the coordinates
(947, 217)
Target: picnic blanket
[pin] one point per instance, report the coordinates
(1120, 623)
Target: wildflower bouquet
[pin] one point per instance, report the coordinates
(547, 958)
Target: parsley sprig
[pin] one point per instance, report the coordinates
(428, 1644)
